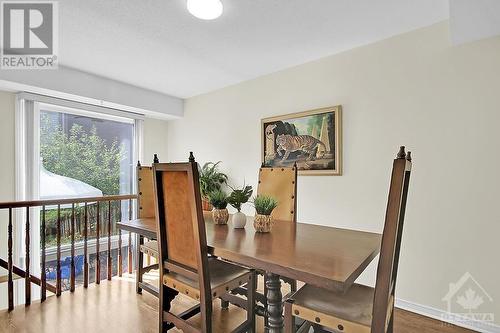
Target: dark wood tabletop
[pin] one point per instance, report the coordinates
(145, 227)
(327, 257)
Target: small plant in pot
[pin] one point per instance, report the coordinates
(264, 206)
(237, 198)
(218, 199)
(211, 179)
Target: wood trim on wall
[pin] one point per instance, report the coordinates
(439, 314)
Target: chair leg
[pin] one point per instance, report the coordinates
(319, 329)
(390, 326)
(148, 257)
(140, 259)
(224, 304)
(293, 286)
(289, 318)
(165, 298)
(251, 291)
(206, 315)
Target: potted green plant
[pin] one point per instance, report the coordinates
(218, 199)
(264, 206)
(211, 179)
(237, 198)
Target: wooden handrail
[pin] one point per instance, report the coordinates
(20, 272)
(53, 202)
(99, 216)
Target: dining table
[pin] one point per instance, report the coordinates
(323, 256)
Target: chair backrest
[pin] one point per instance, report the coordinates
(391, 242)
(181, 228)
(145, 188)
(280, 183)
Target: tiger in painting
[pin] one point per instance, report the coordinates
(270, 131)
(289, 143)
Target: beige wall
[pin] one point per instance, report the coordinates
(414, 89)
(155, 140)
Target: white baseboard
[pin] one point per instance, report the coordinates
(438, 314)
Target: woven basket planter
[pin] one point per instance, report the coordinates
(206, 205)
(263, 223)
(220, 216)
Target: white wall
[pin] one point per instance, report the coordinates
(415, 89)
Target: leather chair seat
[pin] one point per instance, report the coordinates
(355, 306)
(224, 277)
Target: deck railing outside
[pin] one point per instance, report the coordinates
(82, 206)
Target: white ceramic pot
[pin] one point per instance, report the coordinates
(239, 220)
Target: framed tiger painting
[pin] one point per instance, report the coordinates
(312, 139)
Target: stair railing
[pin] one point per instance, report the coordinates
(103, 224)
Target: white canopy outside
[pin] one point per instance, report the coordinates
(54, 186)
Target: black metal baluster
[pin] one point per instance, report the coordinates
(120, 255)
(85, 249)
(110, 259)
(98, 236)
(27, 279)
(58, 237)
(10, 283)
(72, 231)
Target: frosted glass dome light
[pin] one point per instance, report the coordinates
(205, 9)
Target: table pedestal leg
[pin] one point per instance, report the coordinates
(274, 304)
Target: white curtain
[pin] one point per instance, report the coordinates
(27, 161)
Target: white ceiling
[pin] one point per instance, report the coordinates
(471, 20)
(158, 45)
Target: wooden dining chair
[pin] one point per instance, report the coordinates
(361, 309)
(185, 266)
(146, 209)
(281, 184)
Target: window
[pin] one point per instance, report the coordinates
(82, 155)
(68, 151)
(95, 151)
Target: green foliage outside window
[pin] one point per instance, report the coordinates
(81, 155)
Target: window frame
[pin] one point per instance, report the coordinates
(27, 162)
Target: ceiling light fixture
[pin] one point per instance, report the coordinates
(205, 9)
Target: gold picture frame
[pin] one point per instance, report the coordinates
(312, 139)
